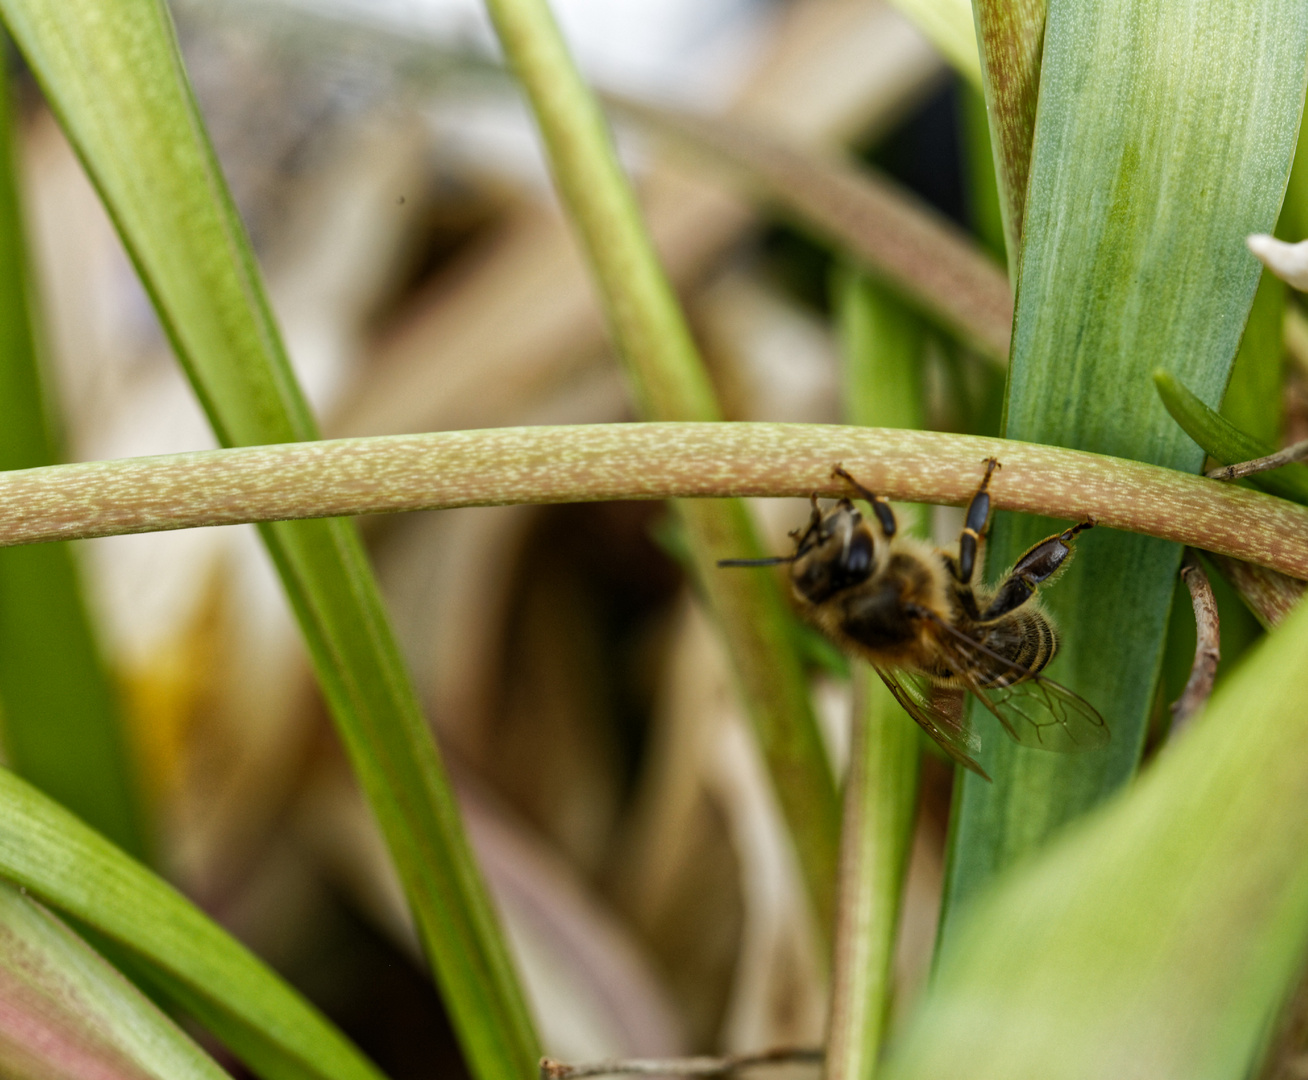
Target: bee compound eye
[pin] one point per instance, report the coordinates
(858, 560)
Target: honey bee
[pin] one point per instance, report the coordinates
(914, 613)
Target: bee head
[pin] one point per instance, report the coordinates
(834, 553)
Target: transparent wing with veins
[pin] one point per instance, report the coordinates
(945, 721)
(1034, 710)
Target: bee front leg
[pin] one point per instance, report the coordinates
(1036, 567)
(885, 515)
(974, 526)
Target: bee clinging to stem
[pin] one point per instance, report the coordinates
(915, 614)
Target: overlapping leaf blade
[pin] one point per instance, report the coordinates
(1159, 938)
(68, 1015)
(1130, 261)
(112, 73)
(62, 724)
(46, 850)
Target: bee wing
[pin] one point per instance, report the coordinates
(1036, 711)
(949, 729)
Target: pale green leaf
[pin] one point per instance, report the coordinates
(68, 1015)
(1160, 937)
(1164, 136)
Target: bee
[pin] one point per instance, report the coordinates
(915, 614)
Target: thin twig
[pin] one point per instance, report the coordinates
(688, 1066)
(1296, 452)
(1207, 650)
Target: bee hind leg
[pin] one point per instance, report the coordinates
(974, 525)
(885, 515)
(1040, 564)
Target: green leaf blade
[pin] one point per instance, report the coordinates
(61, 861)
(63, 728)
(1011, 38)
(1128, 262)
(113, 75)
(882, 345)
(671, 382)
(69, 1015)
(1225, 442)
(1160, 936)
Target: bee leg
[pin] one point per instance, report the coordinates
(974, 526)
(1036, 567)
(885, 515)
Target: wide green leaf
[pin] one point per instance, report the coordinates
(112, 73)
(1163, 137)
(1160, 937)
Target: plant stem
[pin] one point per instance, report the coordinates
(594, 463)
(1295, 452)
(1208, 644)
(671, 383)
(882, 344)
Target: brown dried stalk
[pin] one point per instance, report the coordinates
(639, 461)
(921, 255)
(1207, 649)
(689, 1066)
(1295, 452)
(1268, 594)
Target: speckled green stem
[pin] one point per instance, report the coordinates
(593, 463)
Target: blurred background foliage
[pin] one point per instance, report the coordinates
(424, 280)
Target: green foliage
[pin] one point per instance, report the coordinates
(882, 345)
(67, 1009)
(113, 75)
(1128, 264)
(68, 866)
(1159, 936)
(671, 383)
(61, 721)
(1225, 442)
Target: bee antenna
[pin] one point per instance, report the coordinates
(772, 560)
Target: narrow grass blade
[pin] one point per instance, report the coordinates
(1226, 443)
(1011, 34)
(983, 203)
(1159, 938)
(68, 866)
(924, 259)
(68, 1015)
(882, 346)
(1128, 263)
(1254, 401)
(1292, 226)
(670, 383)
(112, 72)
(62, 724)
